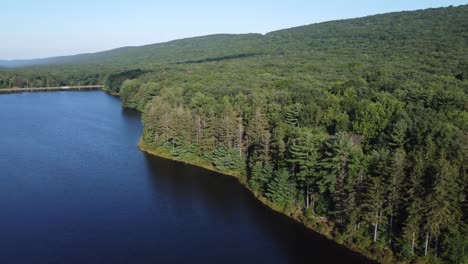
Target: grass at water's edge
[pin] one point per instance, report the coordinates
(319, 225)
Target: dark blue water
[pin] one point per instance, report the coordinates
(74, 188)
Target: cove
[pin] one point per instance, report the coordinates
(75, 188)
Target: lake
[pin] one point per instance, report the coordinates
(74, 188)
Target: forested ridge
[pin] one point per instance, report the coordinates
(358, 128)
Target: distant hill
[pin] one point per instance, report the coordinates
(173, 51)
(24, 63)
(434, 30)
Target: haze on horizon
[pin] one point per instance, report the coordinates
(40, 29)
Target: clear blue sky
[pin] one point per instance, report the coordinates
(44, 28)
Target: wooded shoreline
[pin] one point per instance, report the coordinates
(301, 219)
(46, 89)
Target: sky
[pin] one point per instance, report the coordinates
(38, 29)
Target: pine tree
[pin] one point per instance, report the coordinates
(413, 200)
(397, 137)
(279, 144)
(203, 108)
(393, 185)
(442, 208)
(375, 197)
(260, 176)
(341, 166)
(258, 138)
(280, 189)
(353, 188)
(239, 134)
(228, 128)
(291, 115)
(304, 152)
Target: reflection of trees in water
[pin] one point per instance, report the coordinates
(226, 206)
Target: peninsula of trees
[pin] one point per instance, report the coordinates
(358, 128)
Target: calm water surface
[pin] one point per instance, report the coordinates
(74, 188)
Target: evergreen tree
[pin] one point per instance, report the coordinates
(375, 199)
(413, 199)
(442, 207)
(305, 154)
(258, 137)
(394, 182)
(280, 189)
(291, 115)
(260, 176)
(341, 167)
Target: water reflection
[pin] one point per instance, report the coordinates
(224, 199)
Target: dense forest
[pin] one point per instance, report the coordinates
(357, 128)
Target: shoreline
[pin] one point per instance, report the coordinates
(317, 225)
(51, 89)
(300, 219)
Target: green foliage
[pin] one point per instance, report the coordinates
(361, 121)
(228, 160)
(373, 117)
(455, 243)
(135, 94)
(280, 189)
(115, 80)
(291, 116)
(260, 177)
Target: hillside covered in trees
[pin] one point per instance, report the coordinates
(358, 128)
